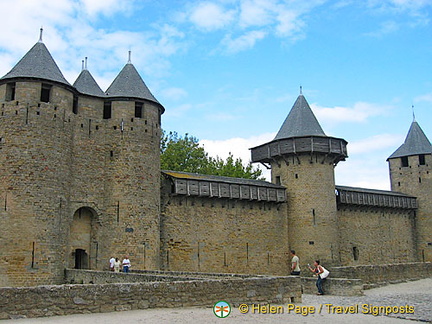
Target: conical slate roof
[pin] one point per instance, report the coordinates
(415, 143)
(37, 63)
(86, 84)
(129, 83)
(301, 121)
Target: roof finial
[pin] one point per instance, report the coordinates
(412, 107)
(301, 90)
(82, 65)
(40, 35)
(85, 63)
(129, 60)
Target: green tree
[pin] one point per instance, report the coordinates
(185, 154)
(233, 168)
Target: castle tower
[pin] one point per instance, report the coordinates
(80, 173)
(135, 167)
(411, 173)
(302, 158)
(34, 159)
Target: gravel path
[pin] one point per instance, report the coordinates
(416, 294)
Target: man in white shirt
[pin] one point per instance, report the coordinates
(126, 264)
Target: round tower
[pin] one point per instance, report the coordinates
(410, 169)
(302, 158)
(35, 145)
(133, 115)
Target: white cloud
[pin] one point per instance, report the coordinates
(386, 28)
(239, 19)
(210, 16)
(256, 13)
(358, 113)
(238, 147)
(289, 23)
(177, 111)
(174, 93)
(417, 11)
(401, 5)
(106, 7)
(244, 42)
(424, 98)
(364, 171)
(71, 33)
(375, 143)
(366, 165)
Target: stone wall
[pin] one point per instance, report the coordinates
(79, 276)
(75, 276)
(334, 286)
(386, 273)
(74, 299)
(374, 235)
(223, 235)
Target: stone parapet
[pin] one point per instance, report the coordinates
(97, 298)
(385, 273)
(334, 286)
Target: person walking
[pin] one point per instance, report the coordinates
(322, 273)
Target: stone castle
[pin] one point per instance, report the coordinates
(80, 182)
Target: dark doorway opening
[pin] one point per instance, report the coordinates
(81, 259)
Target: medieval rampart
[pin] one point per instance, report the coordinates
(385, 273)
(220, 235)
(96, 298)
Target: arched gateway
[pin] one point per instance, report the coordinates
(82, 249)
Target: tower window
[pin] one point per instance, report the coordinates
(10, 91)
(107, 110)
(355, 253)
(75, 105)
(278, 180)
(404, 161)
(45, 92)
(138, 109)
(422, 159)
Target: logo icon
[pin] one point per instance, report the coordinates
(222, 309)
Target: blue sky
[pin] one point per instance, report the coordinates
(229, 71)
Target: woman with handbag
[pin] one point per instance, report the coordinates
(322, 273)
